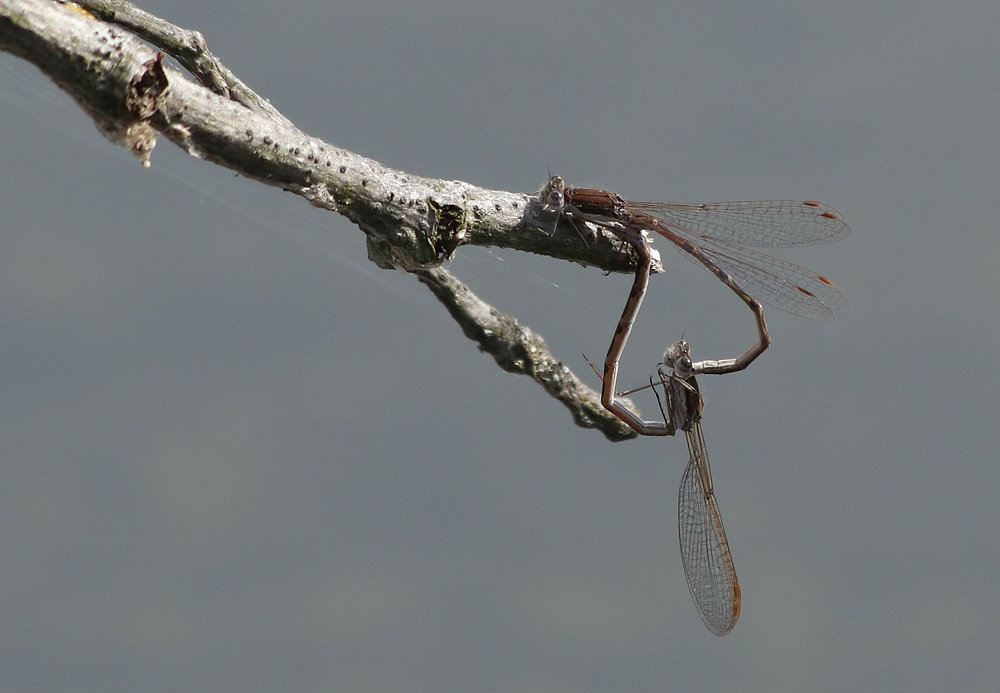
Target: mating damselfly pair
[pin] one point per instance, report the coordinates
(716, 236)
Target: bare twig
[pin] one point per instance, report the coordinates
(187, 47)
(518, 349)
(413, 224)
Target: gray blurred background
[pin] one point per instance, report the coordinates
(237, 456)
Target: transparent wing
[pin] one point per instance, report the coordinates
(708, 565)
(771, 280)
(768, 279)
(764, 223)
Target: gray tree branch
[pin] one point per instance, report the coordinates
(97, 51)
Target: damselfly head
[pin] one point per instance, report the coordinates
(677, 351)
(551, 196)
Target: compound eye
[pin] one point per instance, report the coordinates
(683, 366)
(555, 200)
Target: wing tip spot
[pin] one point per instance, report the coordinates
(833, 216)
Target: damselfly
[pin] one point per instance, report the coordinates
(708, 565)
